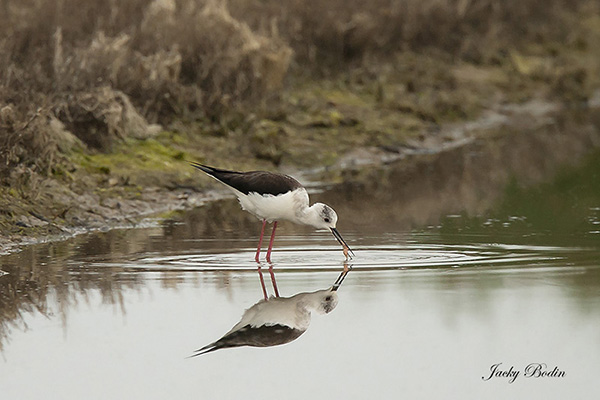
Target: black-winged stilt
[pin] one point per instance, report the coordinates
(272, 197)
(277, 320)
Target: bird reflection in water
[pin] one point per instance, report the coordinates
(277, 320)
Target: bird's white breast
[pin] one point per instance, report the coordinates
(288, 206)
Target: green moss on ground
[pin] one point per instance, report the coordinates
(136, 161)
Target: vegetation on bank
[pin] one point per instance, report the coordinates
(110, 97)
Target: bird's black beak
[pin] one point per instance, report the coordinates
(342, 241)
(340, 279)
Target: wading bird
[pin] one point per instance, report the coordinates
(271, 197)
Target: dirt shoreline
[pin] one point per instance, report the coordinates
(98, 213)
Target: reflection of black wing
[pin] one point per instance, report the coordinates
(261, 336)
(260, 182)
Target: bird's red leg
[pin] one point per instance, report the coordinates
(262, 233)
(262, 282)
(273, 281)
(271, 242)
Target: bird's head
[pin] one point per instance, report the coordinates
(327, 301)
(321, 216)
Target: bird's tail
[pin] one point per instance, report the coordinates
(206, 349)
(211, 170)
(202, 167)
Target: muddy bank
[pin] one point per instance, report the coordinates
(465, 164)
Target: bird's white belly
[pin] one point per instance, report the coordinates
(286, 206)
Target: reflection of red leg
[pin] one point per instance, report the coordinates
(271, 242)
(273, 281)
(262, 282)
(262, 233)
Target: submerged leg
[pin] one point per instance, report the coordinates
(271, 242)
(262, 233)
(273, 281)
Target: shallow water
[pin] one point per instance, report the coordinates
(442, 288)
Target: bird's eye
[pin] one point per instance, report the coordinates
(326, 219)
(328, 298)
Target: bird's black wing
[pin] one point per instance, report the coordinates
(260, 182)
(262, 336)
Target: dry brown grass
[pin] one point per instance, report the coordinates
(101, 70)
(105, 68)
(335, 32)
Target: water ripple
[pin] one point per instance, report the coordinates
(377, 257)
